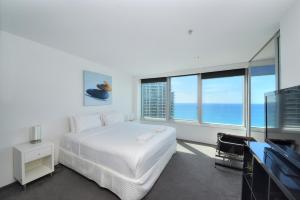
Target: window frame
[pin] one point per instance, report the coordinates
(199, 102)
(169, 94)
(261, 63)
(244, 120)
(276, 39)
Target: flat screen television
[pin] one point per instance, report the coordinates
(282, 112)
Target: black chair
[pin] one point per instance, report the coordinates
(230, 148)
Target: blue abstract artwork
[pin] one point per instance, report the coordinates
(97, 89)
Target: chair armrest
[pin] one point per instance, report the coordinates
(231, 143)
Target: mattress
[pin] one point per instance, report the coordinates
(127, 149)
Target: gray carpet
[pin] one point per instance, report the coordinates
(190, 175)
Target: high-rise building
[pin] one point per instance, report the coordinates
(172, 96)
(154, 100)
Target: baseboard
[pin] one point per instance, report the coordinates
(16, 182)
(8, 185)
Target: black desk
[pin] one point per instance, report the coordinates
(267, 175)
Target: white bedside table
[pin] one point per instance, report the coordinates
(32, 161)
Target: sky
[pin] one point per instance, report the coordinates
(262, 85)
(228, 90)
(185, 89)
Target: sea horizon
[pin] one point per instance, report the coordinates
(225, 113)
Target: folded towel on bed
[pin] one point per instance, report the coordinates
(145, 137)
(160, 129)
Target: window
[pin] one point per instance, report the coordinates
(263, 80)
(184, 98)
(223, 97)
(154, 95)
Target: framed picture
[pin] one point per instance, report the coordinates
(97, 89)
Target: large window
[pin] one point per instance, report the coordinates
(263, 80)
(221, 100)
(184, 98)
(223, 97)
(154, 98)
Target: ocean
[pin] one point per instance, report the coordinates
(220, 113)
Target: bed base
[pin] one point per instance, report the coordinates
(124, 187)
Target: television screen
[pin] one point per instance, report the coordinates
(283, 122)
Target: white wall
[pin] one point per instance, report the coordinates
(185, 130)
(290, 47)
(42, 85)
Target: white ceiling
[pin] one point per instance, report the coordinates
(148, 36)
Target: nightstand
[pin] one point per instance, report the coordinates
(32, 161)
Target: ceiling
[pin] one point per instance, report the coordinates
(148, 36)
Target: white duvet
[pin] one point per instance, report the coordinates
(128, 149)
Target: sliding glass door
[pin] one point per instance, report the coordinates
(263, 77)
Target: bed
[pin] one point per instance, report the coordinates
(126, 158)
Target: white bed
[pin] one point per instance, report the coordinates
(127, 157)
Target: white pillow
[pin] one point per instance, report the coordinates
(85, 122)
(113, 117)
